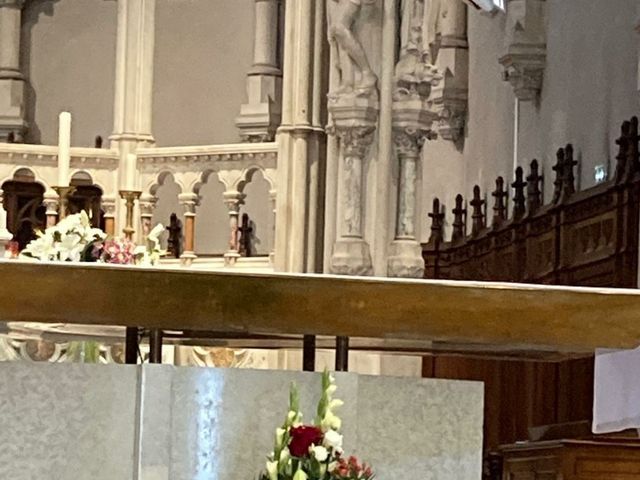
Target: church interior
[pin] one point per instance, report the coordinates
(418, 143)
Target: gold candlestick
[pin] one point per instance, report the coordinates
(130, 197)
(63, 197)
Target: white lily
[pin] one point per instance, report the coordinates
(280, 436)
(272, 470)
(319, 452)
(300, 475)
(332, 439)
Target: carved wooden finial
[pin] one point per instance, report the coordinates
(633, 162)
(437, 223)
(623, 146)
(500, 205)
(459, 220)
(518, 199)
(558, 168)
(477, 217)
(534, 195)
(568, 178)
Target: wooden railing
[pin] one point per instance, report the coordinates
(583, 238)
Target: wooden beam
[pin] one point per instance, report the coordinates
(419, 310)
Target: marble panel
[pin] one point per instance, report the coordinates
(160, 422)
(67, 421)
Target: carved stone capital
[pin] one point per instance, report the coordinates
(356, 140)
(189, 202)
(147, 205)
(109, 207)
(51, 202)
(526, 50)
(409, 142)
(12, 3)
(233, 200)
(525, 74)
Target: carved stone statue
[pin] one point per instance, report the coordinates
(351, 59)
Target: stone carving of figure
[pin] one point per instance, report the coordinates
(351, 59)
(415, 72)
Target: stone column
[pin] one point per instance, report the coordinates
(260, 116)
(351, 255)
(405, 256)
(301, 138)
(189, 202)
(51, 203)
(133, 97)
(147, 207)
(12, 82)
(109, 209)
(450, 97)
(273, 195)
(233, 200)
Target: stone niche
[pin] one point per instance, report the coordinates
(163, 422)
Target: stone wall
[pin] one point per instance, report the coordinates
(68, 57)
(203, 51)
(589, 87)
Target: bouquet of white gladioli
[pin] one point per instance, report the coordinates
(313, 452)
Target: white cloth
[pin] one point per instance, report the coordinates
(616, 405)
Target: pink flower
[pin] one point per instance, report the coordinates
(118, 252)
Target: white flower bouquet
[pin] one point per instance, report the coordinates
(313, 452)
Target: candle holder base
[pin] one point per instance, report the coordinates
(130, 197)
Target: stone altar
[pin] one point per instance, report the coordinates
(166, 423)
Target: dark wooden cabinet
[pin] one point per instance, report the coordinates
(596, 459)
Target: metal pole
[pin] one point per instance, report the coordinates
(342, 354)
(309, 353)
(155, 346)
(131, 346)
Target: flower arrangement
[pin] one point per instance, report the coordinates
(313, 452)
(73, 239)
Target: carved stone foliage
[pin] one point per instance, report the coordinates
(525, 54)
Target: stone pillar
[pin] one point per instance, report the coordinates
(233, 200)
(273, 195)
(525, 57)
(12, 82)
(260, 116)
(451, 96)
(351, 255)
(109, 209)
(301, 138)
(147, 207)
(52, 204)
(189, 202)
(5, 234)
(405, 255)
(133, 97)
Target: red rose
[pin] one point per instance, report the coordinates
(302, 438)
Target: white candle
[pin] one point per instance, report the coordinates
(64, 149)
(131, 171)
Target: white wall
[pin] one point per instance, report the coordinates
(590, 88)
(68, 57)
(204, 49)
